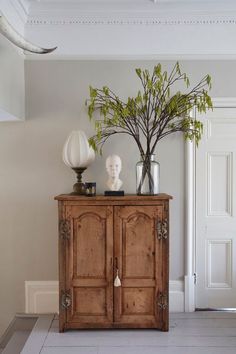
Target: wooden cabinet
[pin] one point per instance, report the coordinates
(101, 237)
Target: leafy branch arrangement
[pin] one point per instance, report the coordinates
(153, 114)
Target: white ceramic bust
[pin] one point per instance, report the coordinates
(113, 166)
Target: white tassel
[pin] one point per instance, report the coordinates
(117, 281)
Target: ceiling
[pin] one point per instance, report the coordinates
(127, 28)
(31, 6)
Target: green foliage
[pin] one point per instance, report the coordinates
(153, 113)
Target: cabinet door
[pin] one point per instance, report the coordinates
(141, 256)
(89, 269)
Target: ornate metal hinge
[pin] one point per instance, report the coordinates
(64, 229)
(162, 301)
(162, 229)
(65, 300)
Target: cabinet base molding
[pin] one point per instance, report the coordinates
(42, 296)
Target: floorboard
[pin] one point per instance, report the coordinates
(203, 314)
(20, 323)
(71, 350)
(203, 324)
(16, 342)
(190, 333)
(137, 338)
(159, 350)
(38, 335)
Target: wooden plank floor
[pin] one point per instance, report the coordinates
(190, 333)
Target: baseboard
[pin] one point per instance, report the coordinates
(176, 295)
(42, 296)
(189, 300)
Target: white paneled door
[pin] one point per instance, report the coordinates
(215, 210)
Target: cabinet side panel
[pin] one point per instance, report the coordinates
(165, 267)
(62, 265)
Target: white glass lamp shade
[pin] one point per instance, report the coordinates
(76, 152)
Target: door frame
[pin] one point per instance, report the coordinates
(190, 211)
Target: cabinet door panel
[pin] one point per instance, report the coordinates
(140, 262)
(138, 301)
(89, 258)
(90, 301)
(137, 248)
(89, 266)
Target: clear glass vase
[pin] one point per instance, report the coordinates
(148, 176)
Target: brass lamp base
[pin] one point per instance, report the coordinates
(79, 187)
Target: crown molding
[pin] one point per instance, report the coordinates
(135, 40)
(144, 12)
(138, 21)
(21, 9)
(116, 12)
(121, 57)
(53, 8)
(25, 5)
(15, 13)
(129, 29)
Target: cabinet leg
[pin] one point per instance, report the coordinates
(61, 328)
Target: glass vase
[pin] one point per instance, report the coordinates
(147, 176)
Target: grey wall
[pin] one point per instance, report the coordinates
(12, 81)
(32, 171)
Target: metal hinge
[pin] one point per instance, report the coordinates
(162, 229)
(65, 300)
(162, 301)
(64, 229)
(195, 278)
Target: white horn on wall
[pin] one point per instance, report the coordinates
(12, 35)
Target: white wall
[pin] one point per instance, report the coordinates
(12, 82)
(32, 171)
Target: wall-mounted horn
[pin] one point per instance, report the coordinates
(12, 35)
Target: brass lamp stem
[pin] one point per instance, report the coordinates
(79, 187)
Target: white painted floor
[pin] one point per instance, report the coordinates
(190, 333)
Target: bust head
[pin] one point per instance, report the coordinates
(113, 166)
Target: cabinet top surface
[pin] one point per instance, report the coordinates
(128, 197)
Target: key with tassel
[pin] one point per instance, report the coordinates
(117, 281)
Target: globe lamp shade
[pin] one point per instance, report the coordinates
(78, 155)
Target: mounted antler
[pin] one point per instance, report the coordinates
(12, 35)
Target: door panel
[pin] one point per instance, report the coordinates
(89, 261)
(215, 211)
(138, 301)
(89, 246)
(137, 249)
(138, 253)
(90, 301)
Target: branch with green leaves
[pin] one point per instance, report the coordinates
(155, 112)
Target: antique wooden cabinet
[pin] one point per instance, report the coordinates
(100, 237)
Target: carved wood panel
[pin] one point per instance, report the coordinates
(89, 248)
(89, 263)
(139, 254)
